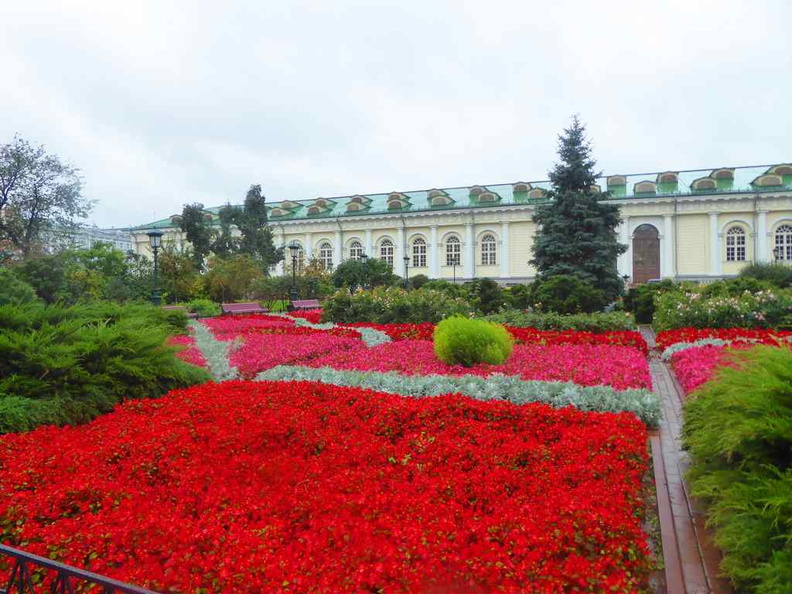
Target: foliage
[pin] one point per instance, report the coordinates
(577, 230)
(179, 275)
(272, 290)
(199, 232)
(698, 309)
(449, 288)
(354, 274)
(776, 273)
(738, 429)
(13, 290)
(733, 287)
(46, 274)
(448, 494)
(38, 195)
(75, 363)
(392, 305)
(641, 402)
(639, 300)
(231, 278)
(566, 294)
(466, 342)
(519, 296)
(256, 235)
(205, 308)
(593, 322)
(417, 281)
(486, 295)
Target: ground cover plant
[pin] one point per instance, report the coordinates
(467, 342)
(738, 429)
(252, 487)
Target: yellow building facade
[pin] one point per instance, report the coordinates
(684, 225)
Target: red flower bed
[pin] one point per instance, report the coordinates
(191, 354)
(311, 315)
(771, 337)
(423, 331)
(587, 365)
(262, 487)
(231, 327)
(696, 365)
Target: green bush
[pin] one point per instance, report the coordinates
(66, 365)
(486, 295)
(734, 287)
(706, 307)
(640, 300)
(359, 273)
(385, 305)
(464, 341)
(593, 322)
(519, 296)
(567, 294)
(205, 308)
(417, 281)
(738, 429)
(13, 290)
(776, 273)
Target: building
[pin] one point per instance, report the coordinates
(684, 225)
(87, 237)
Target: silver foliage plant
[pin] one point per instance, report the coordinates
(643, 403)
(215, 352)
(370, 336)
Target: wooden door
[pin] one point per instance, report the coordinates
(646, 254)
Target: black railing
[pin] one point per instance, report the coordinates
(64, 580)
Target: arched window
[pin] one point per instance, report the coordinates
(489, 250)
(735, 244)
(355, 250)
(386, 251)
(783, 243)
(419, 253)
(326, 255)
(453, 249)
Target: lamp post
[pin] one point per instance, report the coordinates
(406, 271)
(366, 280)
(155, 241)
(454, 264)
(294, 249)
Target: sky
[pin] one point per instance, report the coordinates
(165, 103)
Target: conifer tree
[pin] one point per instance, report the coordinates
(198, 231)
(576, 230)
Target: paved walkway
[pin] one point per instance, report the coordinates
(690, 557)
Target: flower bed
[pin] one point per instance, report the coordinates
(587, 365)
(311, 315)
(697, 365)
(256, 487)
(191, 354)
(770, 337)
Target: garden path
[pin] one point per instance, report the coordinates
(691, 558)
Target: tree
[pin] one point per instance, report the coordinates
(231, 278)
(256, 233)
(357, 273)
(38, 195)
(225, 244)
(576, 230)
(180, 277)
(199, 232)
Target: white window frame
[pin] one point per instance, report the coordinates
(419, 252)
(736, 244)
(453, 250)
(386, 251)
(783, 242)
(326, 255)
(489, 250)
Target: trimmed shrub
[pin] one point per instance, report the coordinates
(776, 273)
(462, 341)
(593, 322)
(13, 290)
(738, 429)
(392, 305)
(567, 294)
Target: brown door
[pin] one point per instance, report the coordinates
(646, 254)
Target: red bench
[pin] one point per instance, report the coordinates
(306, 304)
(243, 308)
(190, 314)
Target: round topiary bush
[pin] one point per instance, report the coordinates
(463, 341)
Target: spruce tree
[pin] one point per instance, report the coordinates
(198, 231)
(257, 237)
(576, 230)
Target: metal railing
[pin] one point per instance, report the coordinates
(21, 581)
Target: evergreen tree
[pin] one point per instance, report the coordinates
(199, 232)
(257, 237)
(225, 244)
(576, 230)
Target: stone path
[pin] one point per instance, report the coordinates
(691, 559)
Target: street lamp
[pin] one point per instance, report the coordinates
(155, 241)
(366, 279)
(294, 249)
(406, 271)
(454, 264)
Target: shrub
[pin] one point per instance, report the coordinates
(486, 295)
(205, 308)
(640, 300)
(385, 305)
(593, 322)
(417, 281)
(738, 429)
(13, 290)
(67, 365)
(567, 294)
(519, 296)
(776, 273)
(358, 273)
(463, 341)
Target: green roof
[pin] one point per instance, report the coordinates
(726, 180)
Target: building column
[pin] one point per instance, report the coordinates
(367, 248)
(399, 252)
(624, 263)
(762, 251)
(434, 268)
(338, 250)
(667, 268)
(469, 265)
(504, 263)
(715, 267)
(308, 248)
(280, 241)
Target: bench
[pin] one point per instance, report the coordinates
(243, 308)
(306, 304)
(190, 314)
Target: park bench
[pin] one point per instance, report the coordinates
(306, 304)
(190, 314)
(243, 308)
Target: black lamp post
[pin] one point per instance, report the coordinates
(406, 271)
(454, 263)
(294, 249)
(366, 279)
(155, 241)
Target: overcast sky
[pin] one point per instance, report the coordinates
(163, 103)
